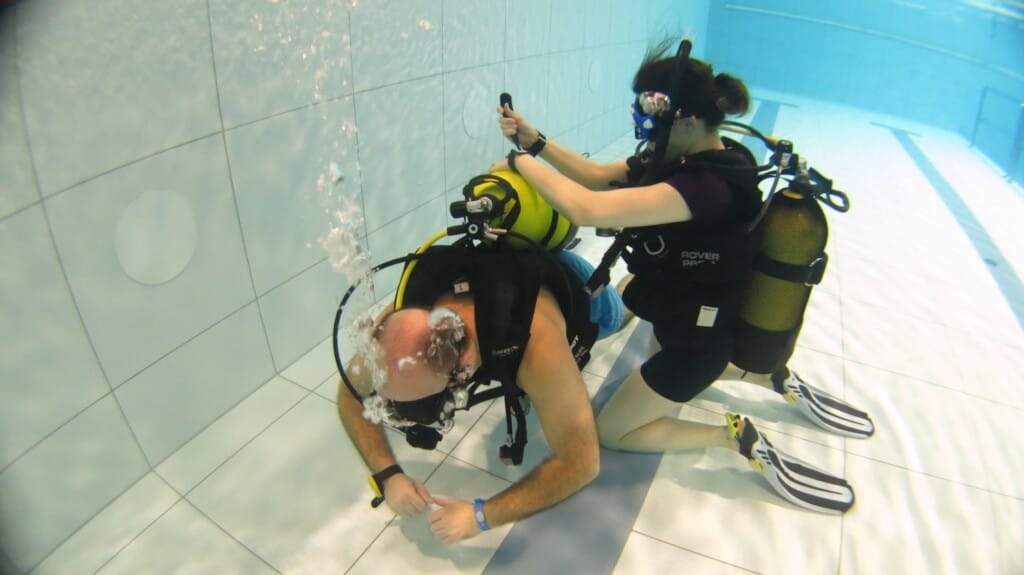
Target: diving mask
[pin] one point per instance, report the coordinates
(645, 111)
(423, 420)
(436, 410)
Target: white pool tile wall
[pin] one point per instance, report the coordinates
(187, 425)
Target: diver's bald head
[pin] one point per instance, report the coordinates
(416, 356)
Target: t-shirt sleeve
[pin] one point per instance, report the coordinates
(707, 195)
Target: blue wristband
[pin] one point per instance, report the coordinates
(478, 513)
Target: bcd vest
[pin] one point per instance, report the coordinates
(691, 273)
(504, 284)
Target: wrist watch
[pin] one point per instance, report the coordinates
(377, 483)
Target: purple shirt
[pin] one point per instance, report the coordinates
(707, 195)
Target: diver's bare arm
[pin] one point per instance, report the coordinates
(632, 207)
(583, 170)
(404, 495)
(556, 389)
(580, 169)
(369, 438)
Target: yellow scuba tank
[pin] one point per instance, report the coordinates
(791, 260)
(515, 206)
(509, 203)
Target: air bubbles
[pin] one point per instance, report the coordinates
(344, 252)
(337, 174)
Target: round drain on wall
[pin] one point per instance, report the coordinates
(156, 237)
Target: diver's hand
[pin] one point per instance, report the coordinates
(454, 521)
(513, 125)
(406, 496)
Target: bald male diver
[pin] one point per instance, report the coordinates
(470, 315)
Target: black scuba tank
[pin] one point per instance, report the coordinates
(791, 260)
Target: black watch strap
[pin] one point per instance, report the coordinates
(511, 158)
(538, 144)
(377, 483)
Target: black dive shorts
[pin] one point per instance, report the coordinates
(686, 364)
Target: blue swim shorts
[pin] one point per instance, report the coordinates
(606, 308)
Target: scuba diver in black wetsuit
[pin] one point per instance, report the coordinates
(686, 221)
(466, 315)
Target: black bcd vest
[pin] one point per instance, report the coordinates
(504, 284)
(689, 273)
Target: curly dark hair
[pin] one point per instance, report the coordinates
(700, 91)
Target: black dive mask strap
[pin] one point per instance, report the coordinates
(425, 410)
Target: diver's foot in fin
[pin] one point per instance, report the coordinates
(796, 481)
(826, 410)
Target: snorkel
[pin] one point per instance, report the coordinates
(655, 112)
